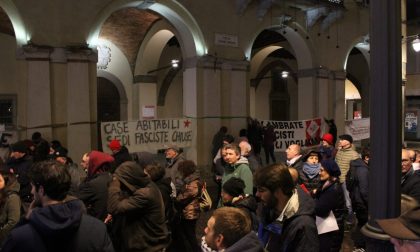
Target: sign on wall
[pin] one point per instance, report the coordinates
(304, 133)
(149, 135)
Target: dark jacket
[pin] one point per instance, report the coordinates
(331, 198)
(305, 177)
(41, 151)
(120, 157)
(94, 190)
(78, 176)
(21, 168)
(248, 243)
(11, 210)
(172, 172)
(249, 205)
(59, 227)
(164, 185)
(411, 185)
(298, 164)
(140, 207)
(298, 232)
(359, 193)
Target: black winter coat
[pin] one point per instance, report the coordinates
(21, 168)
(331, 198)
(411, 185)
(359, 194)
(94, 193)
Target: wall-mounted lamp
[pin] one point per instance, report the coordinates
(174, 64)
(416, 44)
(284, 74)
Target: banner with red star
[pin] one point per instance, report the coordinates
(150, 135)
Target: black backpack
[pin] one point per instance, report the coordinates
(351, 178)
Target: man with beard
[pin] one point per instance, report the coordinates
(229, 230)
(55, 222)
(288, 214)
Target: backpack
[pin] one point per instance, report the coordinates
(351, 178)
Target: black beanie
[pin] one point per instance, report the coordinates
(234, 187)
(19, 147)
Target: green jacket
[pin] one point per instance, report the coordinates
(240, 170)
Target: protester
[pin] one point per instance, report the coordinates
(119, 153)
(55, 222)
(10, 204)
(229, 230)
(138, 214)
(288, 215)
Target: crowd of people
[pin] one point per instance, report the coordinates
(132, 202)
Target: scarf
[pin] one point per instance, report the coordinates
(311, 170)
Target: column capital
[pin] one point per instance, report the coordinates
(78, 53)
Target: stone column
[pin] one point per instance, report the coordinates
(58, 97)
(385, 123)
(216, 93)
(34, 97)
(145, 94)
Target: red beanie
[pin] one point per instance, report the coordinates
(115, 145)
(328, 138)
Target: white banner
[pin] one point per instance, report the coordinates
(304, 132)
(149, 135)
(359, 129)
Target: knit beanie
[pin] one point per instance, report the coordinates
(115, 144)
(331, 167)
(234, 187)
(19, 147)
(328, 138)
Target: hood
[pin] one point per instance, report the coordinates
(58, 220)
(242, 160)
(13, 187)
(96, 160)
(306, 203)
(248, 202)
(132, 175)
(248, 243)
(358, 163)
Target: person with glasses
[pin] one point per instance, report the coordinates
(410, 179)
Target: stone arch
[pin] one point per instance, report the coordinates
(255, 82)
(121, 91)
(21, 33)
(302, 50)
(191, 38)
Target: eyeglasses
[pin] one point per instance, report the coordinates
(405, 160)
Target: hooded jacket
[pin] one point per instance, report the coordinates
(94, 190)
(248, 243)
(11, 210)
(59, 227)
(241, 170)
(140, 206)
(21, 167)
(249, 204)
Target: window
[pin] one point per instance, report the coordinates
(8, 111)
